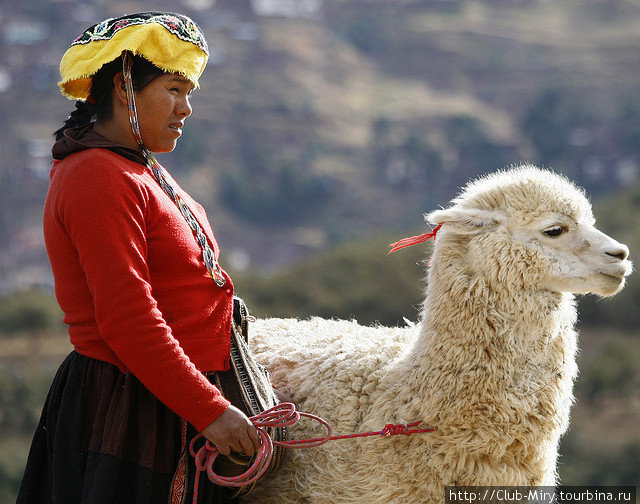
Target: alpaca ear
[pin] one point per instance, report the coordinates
(469, 218)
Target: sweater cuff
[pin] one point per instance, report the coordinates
(210, 413)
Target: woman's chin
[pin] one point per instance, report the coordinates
(162, 148)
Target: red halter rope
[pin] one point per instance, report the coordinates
(282, 415)
(407, 242)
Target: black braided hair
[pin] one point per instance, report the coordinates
(83, 114)
(99, 106)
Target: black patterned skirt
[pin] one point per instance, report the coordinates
(103, 438)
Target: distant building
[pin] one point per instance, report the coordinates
(287, 8)
(24, 32)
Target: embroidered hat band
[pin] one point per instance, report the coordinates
(172, 42)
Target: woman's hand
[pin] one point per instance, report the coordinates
(233, 431)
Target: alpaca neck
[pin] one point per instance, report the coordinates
(477, 342)
(510, 321)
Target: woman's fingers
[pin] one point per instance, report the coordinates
(246, 444)
(223, 448)
(233, 431)
(255, 438)
(249, 440)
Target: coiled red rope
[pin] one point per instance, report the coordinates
(282, 415)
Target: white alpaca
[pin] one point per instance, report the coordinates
(491, 364)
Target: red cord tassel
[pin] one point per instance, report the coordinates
(407, 242)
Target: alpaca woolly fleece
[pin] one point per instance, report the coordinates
(491, 363)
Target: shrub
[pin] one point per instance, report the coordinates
(30, 311)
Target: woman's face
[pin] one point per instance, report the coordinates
(163, 105)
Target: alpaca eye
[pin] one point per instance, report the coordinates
(554, 231)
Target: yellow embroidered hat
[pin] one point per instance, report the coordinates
(172, 42)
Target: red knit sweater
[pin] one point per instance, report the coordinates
(130, 279)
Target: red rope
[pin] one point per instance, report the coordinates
(407, 242)
(282, 415)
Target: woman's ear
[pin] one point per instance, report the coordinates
(119, 89)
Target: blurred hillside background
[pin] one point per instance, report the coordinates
(322, 131)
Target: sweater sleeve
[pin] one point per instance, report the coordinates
(103, 211)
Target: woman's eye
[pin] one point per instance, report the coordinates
(554, 231)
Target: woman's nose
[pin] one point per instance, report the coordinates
(184, 107)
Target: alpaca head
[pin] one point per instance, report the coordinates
(532, 229)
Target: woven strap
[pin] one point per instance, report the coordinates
(160, 174)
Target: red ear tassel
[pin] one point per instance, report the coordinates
(407, 242)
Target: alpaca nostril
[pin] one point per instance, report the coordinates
(621, 253)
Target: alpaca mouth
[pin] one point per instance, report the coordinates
(619, 275)
(612, 284)
(617, 278)
(618, 272)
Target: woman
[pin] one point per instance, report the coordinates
(136, 272)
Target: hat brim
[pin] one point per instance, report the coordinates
(151, 41)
